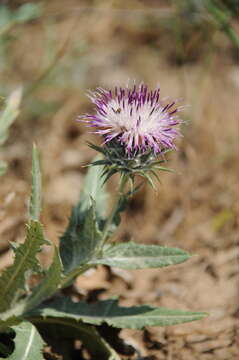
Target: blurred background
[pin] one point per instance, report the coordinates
(56, 50)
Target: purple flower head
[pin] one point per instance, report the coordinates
(136, 118)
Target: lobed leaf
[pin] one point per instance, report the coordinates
(49, 284)
(12, 280)
(28, 343)
(80, 241)
(137, 256)
(63, 330)
(108, 311)
(82, 236)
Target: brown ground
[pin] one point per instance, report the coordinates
(195, 209)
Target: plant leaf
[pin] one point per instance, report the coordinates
(3, 167)
(5, 16)
(11, 321)
(27, 12)
(79, 243)
(108, 311)
(49, 284)
(35, 204)
(137, 256)
(80, 240)
(93, 188)
(28, 343)
(12, 280)
(9, 114)
(46, 288)
(64, 329)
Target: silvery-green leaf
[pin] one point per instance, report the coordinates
(28, 343)
(79, 244)
(65, 329)
(137, 256)
(13, 278)
(48, 285)
(108, 311)
(83, 234)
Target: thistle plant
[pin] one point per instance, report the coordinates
(138, 129)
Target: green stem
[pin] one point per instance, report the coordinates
(69, 278)
(123, 181)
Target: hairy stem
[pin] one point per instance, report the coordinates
(120, 193)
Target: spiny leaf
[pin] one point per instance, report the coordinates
(65, 329)
(46, 288)
(28, 343)
(49, 284)
(12, 280)
(79, 243)
(137, 256)
(83, 234)
(35, 204)
(108, 311)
